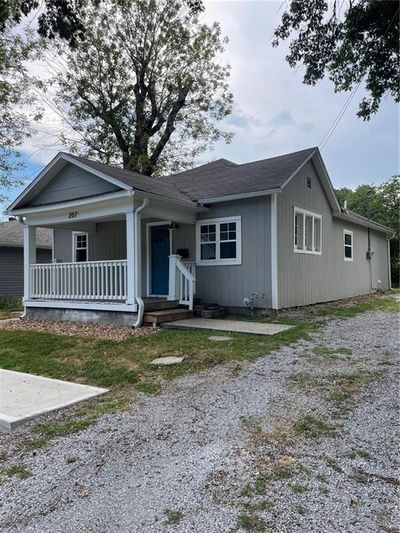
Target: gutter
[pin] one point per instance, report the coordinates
(239, 196)
(137, 273)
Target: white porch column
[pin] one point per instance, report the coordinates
(172, 277)
(29, 257)
(130, 256)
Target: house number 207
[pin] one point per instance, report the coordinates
(72, 214)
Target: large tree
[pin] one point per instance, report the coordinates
(349, 41)
(61, 18)
(16, 49)
(146, 87)
(382, 204)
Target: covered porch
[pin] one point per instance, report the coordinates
(106, 258)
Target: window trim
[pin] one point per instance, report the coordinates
(218, 261)
(74, 248)
(304, 212)
(348, 232)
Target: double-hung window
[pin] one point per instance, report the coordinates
(348, 245)
(80, 247)
(307, 232)
(218, 241)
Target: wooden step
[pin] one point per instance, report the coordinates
(155, 318)
(156, 304)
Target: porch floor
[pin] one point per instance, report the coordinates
(232, 326)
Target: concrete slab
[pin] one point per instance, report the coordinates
(25, 396)
(167, 360)
(219, 338)
(234, 326)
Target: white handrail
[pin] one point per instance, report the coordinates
(181, 281)
(89, 280)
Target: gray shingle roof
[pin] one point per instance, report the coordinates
(215, 179)
(12, 234)
(224, 178)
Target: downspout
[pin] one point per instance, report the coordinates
(138, 266)
(389, 264)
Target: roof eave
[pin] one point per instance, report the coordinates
(359, 220)
(239, 196)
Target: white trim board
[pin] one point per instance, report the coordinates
(219, 262)
(348, 232)
(274, 252)
(87, 306)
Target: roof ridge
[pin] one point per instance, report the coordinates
(312, 149)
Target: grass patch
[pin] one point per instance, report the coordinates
(352, 308)
(20, 471)
(297, 488)
(302, 510)
(172, 517)
(346, 387)
(251, 522)
(332, 463)
(261, 506)
(313, 427)
(330, 353)
(8, 305)
(83, 417)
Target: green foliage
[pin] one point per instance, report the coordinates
(251, 522)
(16, 85)
(63, 18)
(347, 40)
(10, 302)
(20, 471)
(313, 427)
(146, 87)
(382, 204)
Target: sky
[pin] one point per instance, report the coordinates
(274, 112)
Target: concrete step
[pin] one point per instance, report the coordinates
(155, 318)
(156, 304)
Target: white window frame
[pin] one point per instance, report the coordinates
(304, 212)
(218, 261)
(74, 247)
(351, 246)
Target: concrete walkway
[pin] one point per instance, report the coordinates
(25, 396)
(233, 326)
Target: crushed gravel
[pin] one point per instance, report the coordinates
(196, 447)
(74, 329)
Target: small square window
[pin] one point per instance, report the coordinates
(219, 242)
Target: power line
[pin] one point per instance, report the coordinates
(330, 131)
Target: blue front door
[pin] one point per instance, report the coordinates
(159, 269)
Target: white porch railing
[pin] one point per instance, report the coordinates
(90, 280)
(181, 281)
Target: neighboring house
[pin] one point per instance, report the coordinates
(12, 255)
(222, 231)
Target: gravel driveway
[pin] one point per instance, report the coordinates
(302, 440)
